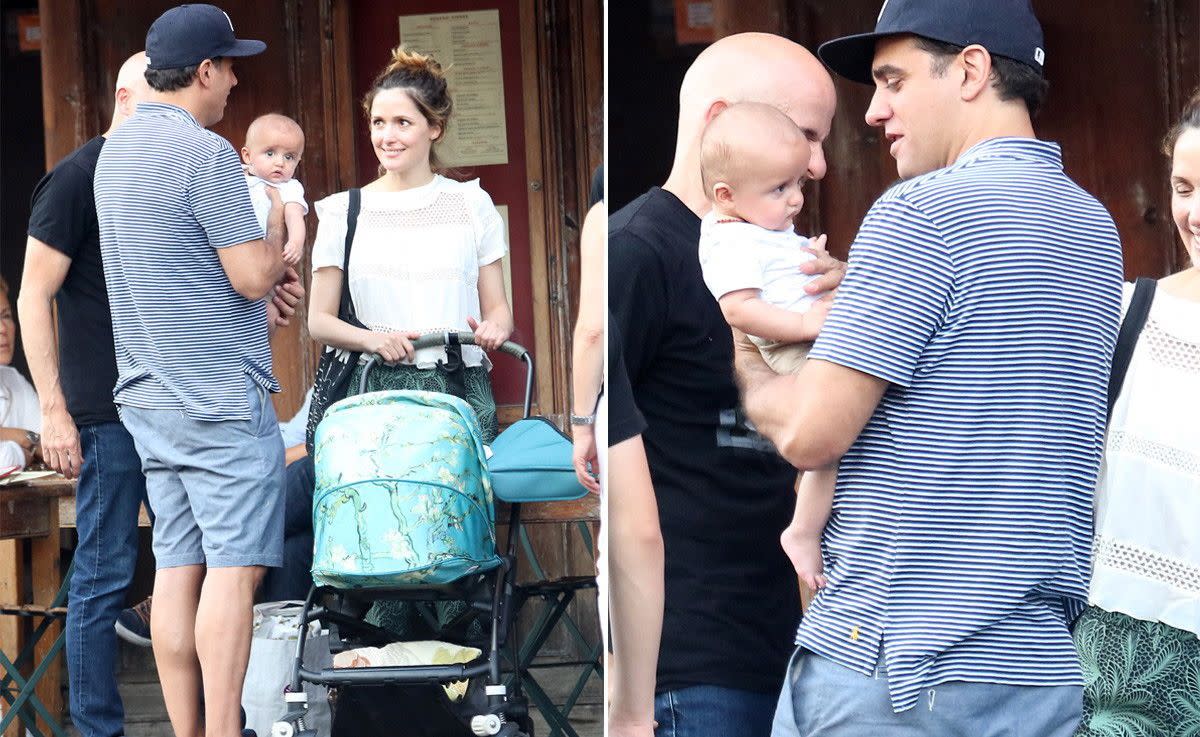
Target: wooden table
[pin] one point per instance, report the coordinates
(30, 574)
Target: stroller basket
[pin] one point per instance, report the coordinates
(402, 493)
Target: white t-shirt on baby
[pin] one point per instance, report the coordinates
(290, 191)
(738, 255)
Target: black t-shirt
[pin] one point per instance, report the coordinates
(724, 494)
(63, 216)
(624, 418)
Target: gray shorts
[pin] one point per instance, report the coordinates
(216, 488)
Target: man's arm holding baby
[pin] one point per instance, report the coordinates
(255, 267)
(834, 400)
(812, 417)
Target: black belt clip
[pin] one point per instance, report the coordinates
(453, 367)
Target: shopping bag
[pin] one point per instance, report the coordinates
(272, 652)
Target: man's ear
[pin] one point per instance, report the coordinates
(975, 64)
(122, 99)
(204, 72)
(722, 193)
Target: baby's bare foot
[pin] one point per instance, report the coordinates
(804, 550)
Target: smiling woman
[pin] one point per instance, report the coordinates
(1139, 641)
(426, 257)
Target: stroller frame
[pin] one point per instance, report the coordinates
(503, 714)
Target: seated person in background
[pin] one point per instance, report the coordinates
(293, 579)
(20, 414)
(754, 162)
(274, 145)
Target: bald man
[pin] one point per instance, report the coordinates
(82, 435)
(724, 494)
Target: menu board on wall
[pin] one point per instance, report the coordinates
(467, 45)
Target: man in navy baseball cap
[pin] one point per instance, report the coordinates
(1005, 28)
(996, 47)
(960, 381)
(190, 49)
(188, 34)
(171, 199)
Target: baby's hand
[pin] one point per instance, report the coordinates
(817, 243)
(293, 252)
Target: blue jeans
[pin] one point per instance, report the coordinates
(713, 711)
(293, 579)
(823, 699)
(110, 489)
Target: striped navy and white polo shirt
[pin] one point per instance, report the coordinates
(987, 294)
(169, 194)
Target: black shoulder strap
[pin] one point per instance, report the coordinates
(1131, 328)
(346, 306)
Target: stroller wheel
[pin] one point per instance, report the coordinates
(486, 725)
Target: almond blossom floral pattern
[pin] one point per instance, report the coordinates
(402, 492)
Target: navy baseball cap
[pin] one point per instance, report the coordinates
(188, 34)
(1004, 27)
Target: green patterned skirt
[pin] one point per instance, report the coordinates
(402, 618)
(1141, 679)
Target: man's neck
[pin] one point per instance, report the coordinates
(1008, 122)
(685, 183)
(180, 98)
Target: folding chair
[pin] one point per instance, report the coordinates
(19, 693)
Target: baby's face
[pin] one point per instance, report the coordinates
(273, 155)
(769, 192)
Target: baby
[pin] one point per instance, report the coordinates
(274, 145)
(754, 162)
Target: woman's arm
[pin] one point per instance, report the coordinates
(325, 327)
(496, 322)
(636, 598)
(587, 343)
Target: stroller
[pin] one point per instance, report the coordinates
(404, 518)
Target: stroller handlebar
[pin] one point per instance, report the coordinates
(463, 337)
(433, 340)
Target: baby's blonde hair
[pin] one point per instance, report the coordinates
(278, 121)
(732, 143)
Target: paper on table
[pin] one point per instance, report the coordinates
(24, 477)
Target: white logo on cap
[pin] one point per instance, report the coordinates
(228, 20)
(1039, 56)
(885, 2)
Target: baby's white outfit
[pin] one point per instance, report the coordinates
(290, 191)
(739, 255)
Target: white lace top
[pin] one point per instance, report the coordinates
(416, 257)
(1147, 547)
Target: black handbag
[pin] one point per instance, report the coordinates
(336, 366)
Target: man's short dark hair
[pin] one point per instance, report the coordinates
(1012, 79)
(169, 80)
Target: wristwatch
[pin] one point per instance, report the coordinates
(583, 419)
(34, 438)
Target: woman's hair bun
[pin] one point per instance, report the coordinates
(413, 62)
